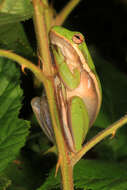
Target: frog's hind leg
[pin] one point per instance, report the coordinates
(78, 120)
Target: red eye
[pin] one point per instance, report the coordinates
(78, 38)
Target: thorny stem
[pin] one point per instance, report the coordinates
(64, 162)
(42, 36)
(24, 63)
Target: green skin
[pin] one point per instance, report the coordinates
(72, 80)
(77, 112)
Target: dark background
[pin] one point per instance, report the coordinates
(103, 23)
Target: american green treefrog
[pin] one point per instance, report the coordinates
(78, 88)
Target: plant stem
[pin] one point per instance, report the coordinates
(43, 45)
(67, 175)
(24, 63)
(100, 136)
(42, 36)
(65, 12)
(64, 162)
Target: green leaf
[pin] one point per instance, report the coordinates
(13, 131)
(51, 182)
(94, 175)
(22, 172)
(15, 11)
(4, 182)
(97, 174)
(13, 37)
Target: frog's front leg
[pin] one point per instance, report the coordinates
(70, 78)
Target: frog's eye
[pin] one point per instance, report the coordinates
(78, 38)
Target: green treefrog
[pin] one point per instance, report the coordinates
(78, 88)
